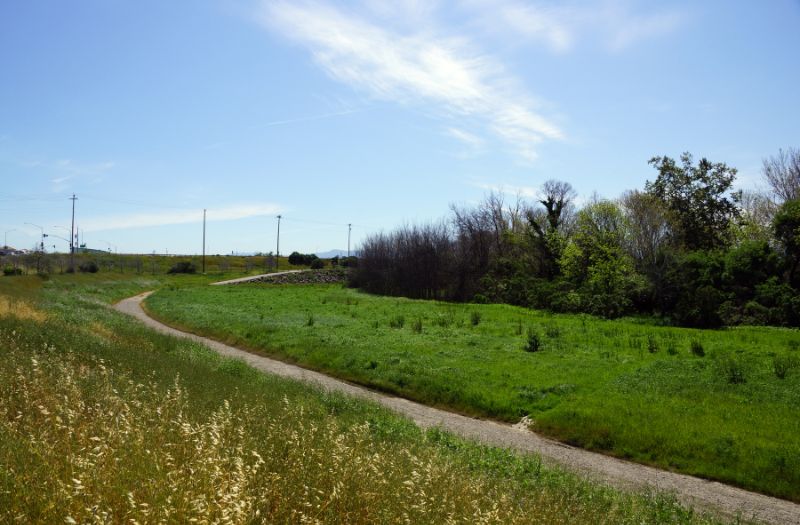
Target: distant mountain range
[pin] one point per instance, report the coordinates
(332, 253)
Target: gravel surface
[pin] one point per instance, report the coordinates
(700, 493)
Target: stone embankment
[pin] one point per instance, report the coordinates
(333, 275)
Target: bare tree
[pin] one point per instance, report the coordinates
(758, 210)
(549, 227)
(648, 230)
(782, 173)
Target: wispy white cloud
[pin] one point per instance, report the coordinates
(615, 24)
(526, 192)
(469, 139)
(444, 74)
(308, 118)
(145, 220)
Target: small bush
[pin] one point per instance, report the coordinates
(652, 344)
(518, 327)
(317, 264)
(183, 267)
(10, 270)
(671, 350)
(475, 318)
(88, 267)
(397, 322)
(781, 365)
(310, 320)
(534, 343)
(416, 326)
(697, 348)
(733, 370)
(552, 331)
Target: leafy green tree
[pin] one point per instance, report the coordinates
(699, 198)
(596, 262)
(787, 230)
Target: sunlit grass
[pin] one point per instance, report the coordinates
(627, 387)
(103, 421)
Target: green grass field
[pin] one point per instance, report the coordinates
(103, 420)
(718, 404)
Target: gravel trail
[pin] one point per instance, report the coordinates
(699, 493)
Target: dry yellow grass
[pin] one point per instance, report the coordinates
(11, 307)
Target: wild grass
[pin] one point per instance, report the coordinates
(104, 421)
(717, 404)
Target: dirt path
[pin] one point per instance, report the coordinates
(707, 495)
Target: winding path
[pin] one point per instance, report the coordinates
(700, 493)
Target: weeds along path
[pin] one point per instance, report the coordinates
(708, 495)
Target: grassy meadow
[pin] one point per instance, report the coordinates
(105, 421)
(719, 404)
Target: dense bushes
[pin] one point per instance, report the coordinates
(686, 248)
(88, 267)
(302, 259)
(183, 267)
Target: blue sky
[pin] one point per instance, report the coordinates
(366, 112)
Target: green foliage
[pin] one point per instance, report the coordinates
(697, 348)
(183, 267)
(475, 318)
(88, 267)
(12, 270)
(416, 325)
(733, 369)
(782, 364)
(699, 198)
(786, 226)
(317, 264)
(534, 341)
(302, 259)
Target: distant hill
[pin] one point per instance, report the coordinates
(332, 253)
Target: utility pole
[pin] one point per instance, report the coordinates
(72, 235)
(204, 240)
(349, 228)
(278, 247)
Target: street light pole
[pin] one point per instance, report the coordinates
(349, 228)
(72, 235)
(204, 241)
(278, 247)
(42, 231)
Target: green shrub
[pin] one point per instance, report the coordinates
(416, 326)
(534, 342)
(183, 267)
(733, 370)
(781, 365)
(305, 259)
(475, 318)
(317, 264)
(652, 344)
(310, 320)
(552, 331)
(697, 348)
(88, 267)
(397, 322)
(11, 270)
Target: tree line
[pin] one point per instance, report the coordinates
(686, 247)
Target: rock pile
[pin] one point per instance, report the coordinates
(306, 277)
